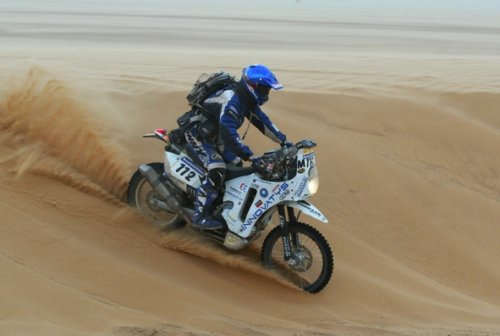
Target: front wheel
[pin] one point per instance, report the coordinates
(141, 195)
(310, 265)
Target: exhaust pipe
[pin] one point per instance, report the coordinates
(154, 179)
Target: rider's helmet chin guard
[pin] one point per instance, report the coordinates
(259, 80)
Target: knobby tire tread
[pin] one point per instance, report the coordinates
(317, 237)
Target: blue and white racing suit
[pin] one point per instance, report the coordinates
(232, 107)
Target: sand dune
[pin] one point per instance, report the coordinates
(408, 157)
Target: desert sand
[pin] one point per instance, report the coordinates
(403, 103)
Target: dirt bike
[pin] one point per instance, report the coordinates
(164, 193)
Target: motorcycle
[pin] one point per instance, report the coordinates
(164, 194)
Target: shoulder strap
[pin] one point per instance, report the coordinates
(248, 127)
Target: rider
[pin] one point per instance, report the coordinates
(223, 144)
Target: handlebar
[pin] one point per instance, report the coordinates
(270, 163)
(276, 164)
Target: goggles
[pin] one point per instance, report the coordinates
(261, 89)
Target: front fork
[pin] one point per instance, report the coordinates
(290, 241)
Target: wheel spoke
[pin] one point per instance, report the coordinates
(312, 272)
(311, 263)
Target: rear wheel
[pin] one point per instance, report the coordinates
(311, 264)
(141, 195)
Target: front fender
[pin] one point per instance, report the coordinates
(309, 210)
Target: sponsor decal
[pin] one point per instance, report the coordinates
(302, 186)
(282, 190)
(317, 213)
(259, 203)
(243, 187)
(263, 192)
(282, 197)
(234, 189)
(232, 194)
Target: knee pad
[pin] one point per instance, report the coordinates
(216, 178)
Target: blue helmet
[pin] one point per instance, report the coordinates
(259, 80)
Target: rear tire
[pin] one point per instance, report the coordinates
(141, 195)
(311, 265)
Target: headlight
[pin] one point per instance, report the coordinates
(313, 183)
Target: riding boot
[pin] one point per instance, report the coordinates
(202, 208)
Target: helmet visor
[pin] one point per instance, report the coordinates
(262, 90)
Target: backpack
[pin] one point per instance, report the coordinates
(199, 115)
(208, 84)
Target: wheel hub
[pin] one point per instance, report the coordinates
(153, 201)
(301, 260)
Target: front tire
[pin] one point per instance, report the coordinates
(141, 195)
(311, 264)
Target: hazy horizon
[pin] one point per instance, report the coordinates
(323, 8)
(337, 25)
